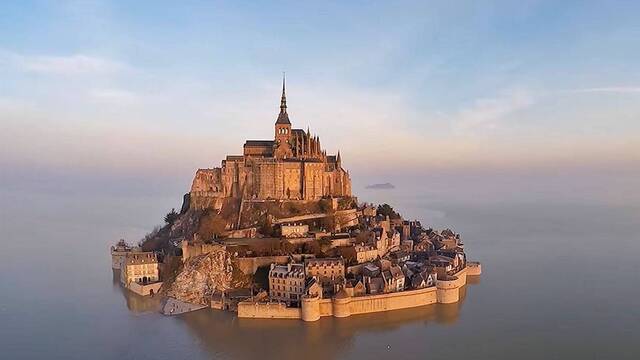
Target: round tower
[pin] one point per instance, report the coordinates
(341, 304)
(310, 308)
(447, 291)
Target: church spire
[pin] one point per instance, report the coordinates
(283, 99)
(283, 117)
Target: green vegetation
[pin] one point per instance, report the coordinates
(171, 217)
(387, 210)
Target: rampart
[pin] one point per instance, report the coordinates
(250, 265)
(145, 289)
(313, 308)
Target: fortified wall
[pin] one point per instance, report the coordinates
(313, 308)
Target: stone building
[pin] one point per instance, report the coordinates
(118, 253)
(325, 268)
(393, 279)
(139, 272)
(329, 272)
(294, 230)
(365, 253)
(287, 283)
(291, 166)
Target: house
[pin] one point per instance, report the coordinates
(400, 256)
(294, 230)
(312, 287)
(328, 271)
(393, 279)
(365, 253)
(355, 288)
(424, 279)
(139, 272)
(370, 270)
(324, 268)
(286, 283)
(375, 285)
(424, 245)
(442, 264)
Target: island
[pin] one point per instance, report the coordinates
(383, 186)
(277, 233)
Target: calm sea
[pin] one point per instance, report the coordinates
(561, 280)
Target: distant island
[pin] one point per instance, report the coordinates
(383, 186)
(276, 233)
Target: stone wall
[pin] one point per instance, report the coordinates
(313, 308)
(267, 311)
(190, 249)
(250, 265)
(146, 289)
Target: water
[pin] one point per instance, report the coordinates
(560, 280)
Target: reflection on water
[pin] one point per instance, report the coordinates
(223, 335)
(559, 282)
(136, 303)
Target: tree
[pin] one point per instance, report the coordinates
(171, 217)
(387, 210)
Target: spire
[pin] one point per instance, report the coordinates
(283, 117)
(283, 99)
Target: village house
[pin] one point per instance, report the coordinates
(374, 285)
(313, 288)
(139, 272)
(324, 268)
(425, 278)
(365, 253)
(370, 270)
(355, 287)
(443, 265)
(423, 246)
(286, 283)
(330, 273)
(393, 279)
(294, 230)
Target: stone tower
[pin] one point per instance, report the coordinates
(282, 144)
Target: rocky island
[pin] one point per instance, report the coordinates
(277, 233)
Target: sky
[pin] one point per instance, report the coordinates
(124, 97)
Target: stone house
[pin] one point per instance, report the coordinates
(140, 272)
(424, 279)
(375, 285)
(442, 264)
(365, 253)
(139, 267)
(294, 230)
(330, 273)
(393, 279)
(286, 283)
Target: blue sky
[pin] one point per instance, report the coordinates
(128, 88)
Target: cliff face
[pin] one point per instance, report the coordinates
(204, 274)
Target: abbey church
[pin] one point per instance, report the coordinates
(291, 166)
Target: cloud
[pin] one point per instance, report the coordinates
(114, 96)
(609, 89)
(61, 65)
(487, 113)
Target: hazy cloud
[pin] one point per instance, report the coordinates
(61, 65)
(609, 89)
(114, 96)
(487, 113)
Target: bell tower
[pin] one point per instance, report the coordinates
(283, 128)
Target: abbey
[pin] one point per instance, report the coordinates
(292, 166)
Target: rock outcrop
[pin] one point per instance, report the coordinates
(203, 274)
